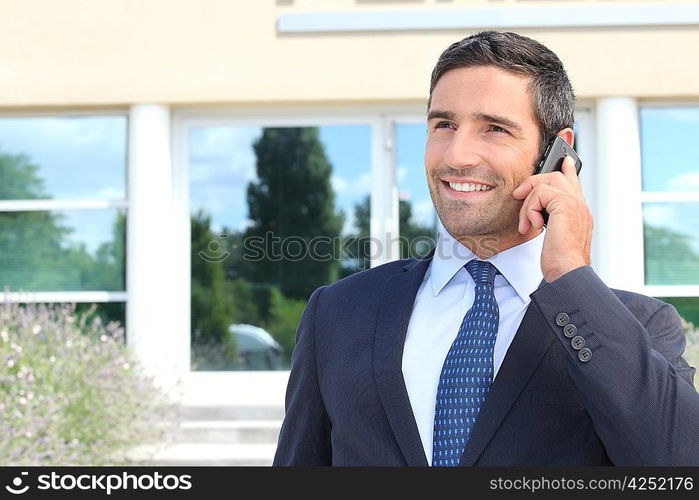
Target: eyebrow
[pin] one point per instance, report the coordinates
(482, 117)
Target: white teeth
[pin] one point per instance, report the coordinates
(469, 187)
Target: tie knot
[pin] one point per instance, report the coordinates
(482, 271)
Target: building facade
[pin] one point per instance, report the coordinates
(123, 119)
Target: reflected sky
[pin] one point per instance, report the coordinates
(679, 217)
(668, 148)
(412, 182)
(222, 163)
(78, 157)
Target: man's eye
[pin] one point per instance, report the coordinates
(442, 125)
(498, 129)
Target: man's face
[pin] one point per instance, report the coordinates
(481, 130)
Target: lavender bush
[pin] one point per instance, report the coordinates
(71, 392)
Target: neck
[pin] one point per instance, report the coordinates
(487, 245)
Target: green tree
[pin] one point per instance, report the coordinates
(669, 257)
(413, 236)
(284, 316)
(32, 255)
(357, 244)
(293, 200)
(212, 312)
(106, 270)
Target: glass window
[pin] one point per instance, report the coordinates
(671, 243)
(276, 213)
(418, 221)
(671, 167)
(63, 157)
(669, 159)
(71, 250)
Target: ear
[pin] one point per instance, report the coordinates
(568, 135)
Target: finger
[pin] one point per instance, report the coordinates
(554, 178)
(523, 190)
(570, 173)
(537, 200)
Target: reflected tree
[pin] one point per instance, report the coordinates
(669, 257)
(211, 309)
(293, 202)
(30, 240)
(35, 251)
(357, 245)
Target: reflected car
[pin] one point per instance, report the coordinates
(257, 349)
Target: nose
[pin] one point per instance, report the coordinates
(463, 151)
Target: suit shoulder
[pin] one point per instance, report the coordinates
(642, 306)
(368, 280)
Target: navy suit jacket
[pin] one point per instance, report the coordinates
(631, 403)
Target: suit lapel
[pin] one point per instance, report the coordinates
(391, 327)
(523, 356)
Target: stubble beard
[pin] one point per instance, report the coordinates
(463, 218)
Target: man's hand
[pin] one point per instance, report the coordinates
(569, 228)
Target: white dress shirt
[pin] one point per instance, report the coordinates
(445, 295)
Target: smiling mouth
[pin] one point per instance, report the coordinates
(466, 190)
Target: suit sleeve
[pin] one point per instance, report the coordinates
(636, 386)
(304, 439)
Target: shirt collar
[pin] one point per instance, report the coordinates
(519, 265)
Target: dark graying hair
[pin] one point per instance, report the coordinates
(553, 99)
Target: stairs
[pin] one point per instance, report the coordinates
(227, 418)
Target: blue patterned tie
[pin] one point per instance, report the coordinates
(468, 370)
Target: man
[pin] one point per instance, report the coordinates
(502, 347)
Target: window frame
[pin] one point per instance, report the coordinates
(665, 197)
(61, 204)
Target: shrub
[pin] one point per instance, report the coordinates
(70, 390)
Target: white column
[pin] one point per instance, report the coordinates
(384, 194)
(156, 330)
(619, 221)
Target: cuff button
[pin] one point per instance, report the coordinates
(585, 355)
(562, 319)
(578, 343)
(570, 330)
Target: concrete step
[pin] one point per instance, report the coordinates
(229, 412)
(230, 432)
(205, 454)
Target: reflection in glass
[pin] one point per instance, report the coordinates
(418, 220)
(80, 157)
(671, 243)
(669, 159)
(104, 311)
(75, 250)
(271, 209)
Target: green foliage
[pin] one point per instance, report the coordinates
(670, 259)
(19, 179)
(413, 237)
(292, 199)
(71, 392)
(285, 314)
(30, 240)
(245, 308)
(212, 310)
(415, 240)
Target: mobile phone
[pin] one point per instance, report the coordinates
(552, 160)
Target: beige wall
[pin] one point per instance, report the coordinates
(198, 52)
